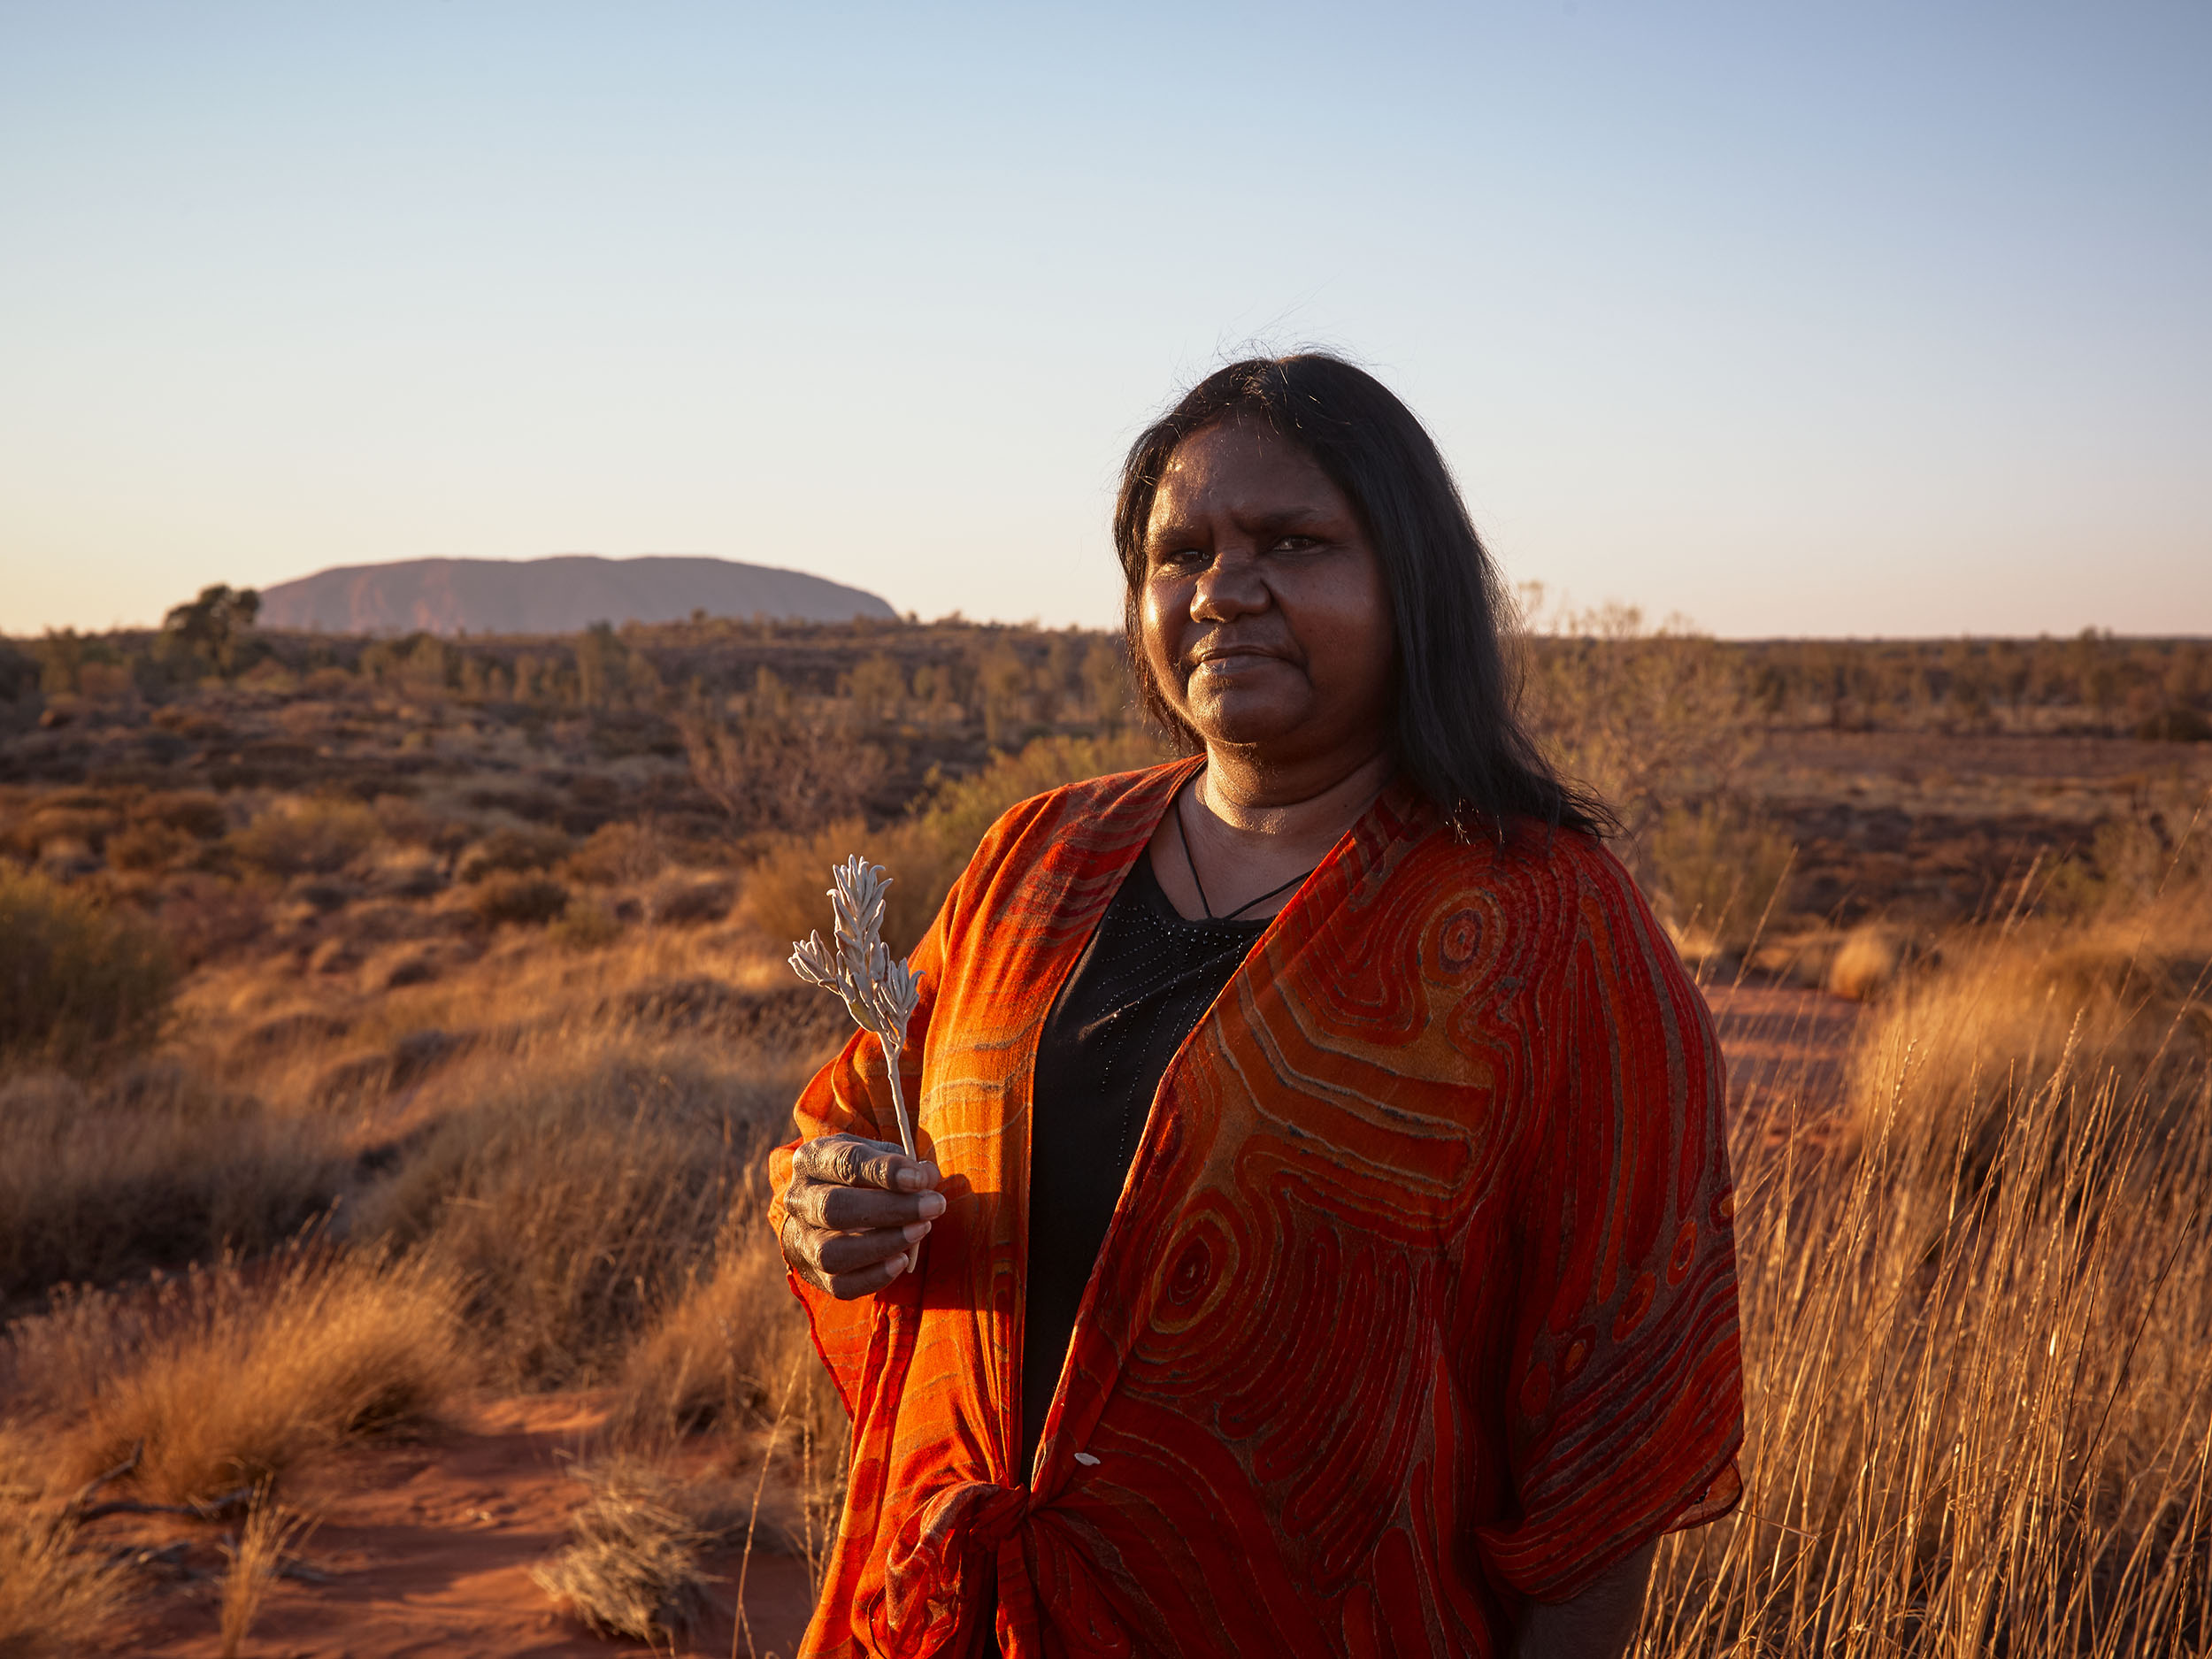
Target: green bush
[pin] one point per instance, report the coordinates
(79, 982)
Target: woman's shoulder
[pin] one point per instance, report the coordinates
(1107, 808)
(1540, 863)
(1542, 885)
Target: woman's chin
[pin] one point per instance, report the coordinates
(1235, 722)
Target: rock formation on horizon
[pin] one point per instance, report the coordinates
(551, 596)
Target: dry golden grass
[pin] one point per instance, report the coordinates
(233, 1375)
(56, 1596)
(718, 1354)
(1865, 961)
(1980, 1412)
(2020, 1009)
(579, 1187)
(255, 1560)
(151, 1167)
(632, 1567)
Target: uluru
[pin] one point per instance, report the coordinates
(552, 596)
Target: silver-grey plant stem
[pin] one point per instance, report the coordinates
(880, 993)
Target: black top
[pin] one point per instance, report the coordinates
(1143, 980)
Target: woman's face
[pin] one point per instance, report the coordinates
(1265, 622)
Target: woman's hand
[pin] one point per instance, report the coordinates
(854, 1211)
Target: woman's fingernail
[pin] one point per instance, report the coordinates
(897, 1264)
(933, 1204)
(916, 1231)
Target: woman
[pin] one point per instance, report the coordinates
(1325, 1241)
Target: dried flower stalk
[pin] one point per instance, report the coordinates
(880, 993)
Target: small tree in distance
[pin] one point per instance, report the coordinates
(213, 628)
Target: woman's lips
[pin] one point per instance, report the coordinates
(1221, 659)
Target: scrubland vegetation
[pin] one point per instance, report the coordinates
(389, 1024)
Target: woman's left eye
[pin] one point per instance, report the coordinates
(1294, 544)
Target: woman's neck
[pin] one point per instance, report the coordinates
(1244, 840)
(1300, 805)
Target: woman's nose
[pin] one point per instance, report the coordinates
(1229, 587)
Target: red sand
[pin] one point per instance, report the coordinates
(427, 1548)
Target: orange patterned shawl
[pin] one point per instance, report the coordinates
(1419, 1302)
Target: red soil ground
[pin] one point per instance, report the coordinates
(424, 1550)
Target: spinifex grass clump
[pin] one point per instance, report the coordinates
(879, 993)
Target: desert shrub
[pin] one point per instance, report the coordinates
(150, 845)
(204, 916)
(617, 854)
(688, 902)
(227, 1377)
(957, 811)
(516, 851)
(151, 1168)
(510, 897)
(579, 1195)
(316, 836)
(786, 890)
(82, 822)
(79, 982)
(1646, 718)
(632, 1566)
(1717, 869)
(2176, 725)
(587, 924)
(2150, 858)
(408, 823)
(193, 812)
(777, 770)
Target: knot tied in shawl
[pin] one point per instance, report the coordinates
(937, 1572)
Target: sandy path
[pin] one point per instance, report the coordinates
(427, 1550)
(1788, 1052)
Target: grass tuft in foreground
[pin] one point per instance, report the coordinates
(231, 1376)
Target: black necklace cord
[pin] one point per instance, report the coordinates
(1204, 903)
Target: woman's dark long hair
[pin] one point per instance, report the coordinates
(1459, 737)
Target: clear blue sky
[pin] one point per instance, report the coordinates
(1792, 318)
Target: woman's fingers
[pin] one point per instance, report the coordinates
(841, 1253)
(858, 1209)
(855, 1210)
(850, 1161)
(848, 1265)
(845, 1287)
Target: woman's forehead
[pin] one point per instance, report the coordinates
(1242, 469)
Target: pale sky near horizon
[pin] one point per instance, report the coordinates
(1818, 318)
